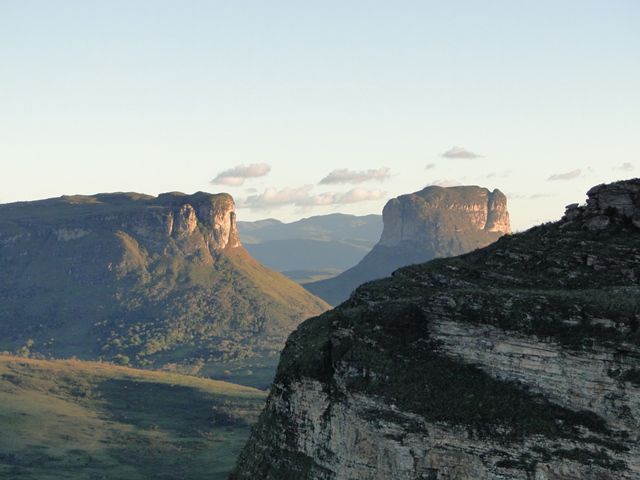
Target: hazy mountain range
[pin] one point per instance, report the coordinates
(312, 248)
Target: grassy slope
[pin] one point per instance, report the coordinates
(86, 420)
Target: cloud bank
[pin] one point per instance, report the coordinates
(302, 197)
(503, 174)
(345, 175)
(565, 176)
(459, 152)
(625, 167)
(445, 182)
(236, 176)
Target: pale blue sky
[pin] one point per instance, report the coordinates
(156, 96)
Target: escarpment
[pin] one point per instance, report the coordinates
(432, 223)
(517, 361)
(140, 279)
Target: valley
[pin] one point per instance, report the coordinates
(89, 420)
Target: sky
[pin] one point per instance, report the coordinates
(301, 108)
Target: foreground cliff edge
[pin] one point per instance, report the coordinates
(517, 361)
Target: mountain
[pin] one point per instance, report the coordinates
(434, 222)
(140, 279)
(517, 361)
(312, 248)
(89, 420)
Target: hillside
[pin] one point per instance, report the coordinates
(517, 361)
(312, 248)
(432, 223)
(139, 279)
(86, 420)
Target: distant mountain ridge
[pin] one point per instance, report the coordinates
(140, 279)
(313, 247)
(434, 222)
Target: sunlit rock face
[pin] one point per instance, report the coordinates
(215, 213)
(437, 216)
(432, 223)
(517, 361)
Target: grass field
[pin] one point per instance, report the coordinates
(86, 420)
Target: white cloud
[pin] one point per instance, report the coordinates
(357, 195)
(273, 197)
(445, 182)
(236, 176)
(626, 167)
(429, 166)
(532, 196)
(565, 176)
(459, 152)
(503, 174)
(302, 197)
(345, 175)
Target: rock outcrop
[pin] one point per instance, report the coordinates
(435, 222)
(141, 277)
(517, 361)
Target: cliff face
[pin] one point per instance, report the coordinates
(435, 222)
(517, 361)
(216, 213)
(132, 275)
(436, 215)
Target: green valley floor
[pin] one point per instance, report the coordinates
(86, 420)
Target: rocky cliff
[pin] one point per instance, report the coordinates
(434, 222)
(139, 278)
(517, 361)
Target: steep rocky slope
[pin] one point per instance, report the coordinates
(139, 279)
(517, 361)
(434, 222)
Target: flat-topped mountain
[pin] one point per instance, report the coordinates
(131, 277)
(517, 361)
(434, 222)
